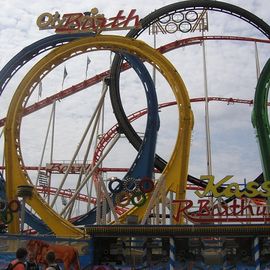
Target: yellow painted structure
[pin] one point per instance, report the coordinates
(176, 170)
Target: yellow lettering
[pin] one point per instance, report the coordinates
(232, 190)
(44, 21)
(57, 21)
(266, 188)
(251, 189)
(211, 187)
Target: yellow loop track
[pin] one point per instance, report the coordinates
(175, 172)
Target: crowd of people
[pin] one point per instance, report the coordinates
(26, 261)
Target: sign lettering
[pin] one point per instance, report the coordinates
(239, 210)
(62, 168)
(91, 21)
(233, 189)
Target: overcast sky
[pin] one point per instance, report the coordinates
(231, 72)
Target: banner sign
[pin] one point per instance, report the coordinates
(246, 204)
(91, 21)
(62, 167)
(238, 210)
(180, 22)
(251, 190)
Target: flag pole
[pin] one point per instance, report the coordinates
(64, 77)
(88, 61)
(40, 90)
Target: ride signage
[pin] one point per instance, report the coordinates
(233, 189)
(243, 205)
(63, 167)
(180, 21)
(91, 21)
(239, 210)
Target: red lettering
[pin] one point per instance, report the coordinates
(55, 167)
(225, 212)
(235, 212)
(88, 23)
(262, 210)
(115, 19)
(246, 207)
(93, 23)
(131, 17)
(72, 23)
(100, 21)
(187, 204)
(62, 168)
(222, 210)
(77, 168)
(234, 207)
(203, 208)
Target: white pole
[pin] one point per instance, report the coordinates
(163, 203)
(257, 61)
(78, 148)
(88, 148)
(89, 173)
(172, 254)
(171, 207)
(256, 252)
(155, 45)
(22, 214)
(3, 159)
(45, 142)
(52, 145)
(153, 199)
(157, 211)
(207, 125)
(109, 200)
(98, 204)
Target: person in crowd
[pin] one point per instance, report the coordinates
(50, 258)
(19, 262)
(31, 262)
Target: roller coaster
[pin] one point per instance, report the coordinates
(150, 219)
